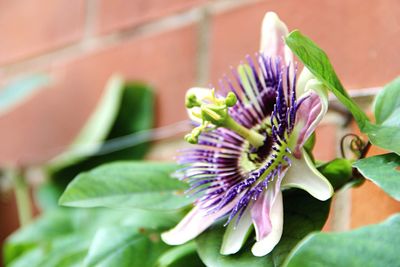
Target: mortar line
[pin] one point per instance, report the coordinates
(93, 42)
(203, 48)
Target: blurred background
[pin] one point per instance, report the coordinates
(173, 45)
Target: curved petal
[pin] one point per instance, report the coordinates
(236, 234)
(265, 245)
(303, 174)
(304, 77)
(262, 208)
(313, 107)
(194, 223)
(273, 32)
(201, 94)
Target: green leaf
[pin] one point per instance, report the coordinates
(302, 214)
(383, 171)
(316, 60)
(143, 185)
(123, 246)
(20, 90)
(338, 172)
(62, 237)
(124, 109)
(44, 235)
(387, 105)
(64, 252)
(375, 245)
(386, 132)
(386, 137)
(180, 256)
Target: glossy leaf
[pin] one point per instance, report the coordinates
(386, 132)
(180, 256)
(302, 214)
(143, 185)
(124, 109)
(62, 237)
(374, 245)
(316, 60)
(123, 246)
(386, 137)
(20, 90)
(387, 105)
(383, 171)
(337, 171)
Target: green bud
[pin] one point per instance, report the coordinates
(191, 101)
(231, 99)
(191, 139)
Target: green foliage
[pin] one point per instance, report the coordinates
(338, 172)
(123, 246)
(124, 109)
(316, 60)
(20, 90)
(382, 170)
(375, 245)
(386, 133)
(145, 185)
(71, 237)
(180, 256)
(303, 214)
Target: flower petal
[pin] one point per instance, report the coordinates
(194, 223)
(262, 208)
(313, 107)
(304, 77)
(273, 34)
(266, 245)
(236, 234)
(303, 174)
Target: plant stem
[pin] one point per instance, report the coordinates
(252, 136)
(365, 150)
(22, 196)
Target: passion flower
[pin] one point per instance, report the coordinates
(249, 146)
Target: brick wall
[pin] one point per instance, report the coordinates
(174, 45)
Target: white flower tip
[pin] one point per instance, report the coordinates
(260, 249)
(228, 250)
(172, 238)
(273, 32)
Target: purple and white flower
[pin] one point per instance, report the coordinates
(250, 146)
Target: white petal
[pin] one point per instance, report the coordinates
(303, 174)
(267, 244)
(236, 234)
(304, 77)
(309, 114)
(194, 223)
(273, 33)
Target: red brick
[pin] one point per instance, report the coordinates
(326, 143)
(120, 14)
(30, 27)
(54, 116)
(370, 204)
(361, 39)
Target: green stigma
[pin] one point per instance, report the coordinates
(214, 112)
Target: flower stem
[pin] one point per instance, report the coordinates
(22, 196)
(252, 136)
